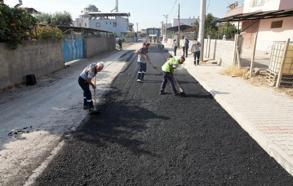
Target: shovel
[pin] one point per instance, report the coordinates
(94, 111)
(181, 91)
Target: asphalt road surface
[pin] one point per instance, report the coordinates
(143, 138)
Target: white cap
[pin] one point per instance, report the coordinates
(100, 64)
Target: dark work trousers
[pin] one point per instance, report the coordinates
(175, 50)
(141, 70)
(186, 51)
(168, 77)
(87, 95)
(196, 56)
(183, 50)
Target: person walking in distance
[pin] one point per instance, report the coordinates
(120, 43)
(85, 80)
(195, 49)
(142, 59)
(175, 46)
(186, 46)
(168, 69)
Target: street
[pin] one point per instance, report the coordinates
(143, 138)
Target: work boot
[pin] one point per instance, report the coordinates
(86, 107)
(177, 94)
(162, 92)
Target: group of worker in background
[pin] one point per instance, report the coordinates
(195, 48)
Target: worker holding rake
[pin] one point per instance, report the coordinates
(85, 80)
(168, 69)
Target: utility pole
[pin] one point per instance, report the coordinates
(201, 26)
(165, 28)
(117, 5)
(136, 27)
(179, 31)
(166, 17)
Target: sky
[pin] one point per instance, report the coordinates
(147, 13)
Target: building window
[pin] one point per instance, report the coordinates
(114, 24)
(277, 24)
(256, 3)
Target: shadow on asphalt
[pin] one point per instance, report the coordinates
(198, 96)
(108, 128)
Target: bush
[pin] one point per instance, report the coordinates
(57, 19)
(16, 25)
(48, 32)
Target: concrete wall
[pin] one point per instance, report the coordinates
(33, 57)
(267, 35)
(286, 4)
(96, 45)
(220, 50)
(251, 27)
(267, 6)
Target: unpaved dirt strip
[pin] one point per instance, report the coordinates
(33, 119)
(143, 138)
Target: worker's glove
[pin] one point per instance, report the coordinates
(174, 66)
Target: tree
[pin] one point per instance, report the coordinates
(211, 28)
(16, 25)
(57, 19)
(61, 19)
(44, 18)
(92, 8)
(228, 30)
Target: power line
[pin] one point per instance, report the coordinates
(172, 9)
(208, 6)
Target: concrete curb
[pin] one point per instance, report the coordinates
(272, 149)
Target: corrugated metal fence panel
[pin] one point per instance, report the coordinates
(73, 48)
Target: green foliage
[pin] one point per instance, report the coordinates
(215, 30)
(48, 32)
(62, 19)
(211, 28)
(57, 19)
(16, 25)
(228, 30)
(44, 18)
(92, 8)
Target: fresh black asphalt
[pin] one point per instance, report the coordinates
(143, 138)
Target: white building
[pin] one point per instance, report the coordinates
(111, 22)
(271, 20)
(188, 21)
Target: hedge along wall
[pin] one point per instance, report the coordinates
(32, 57)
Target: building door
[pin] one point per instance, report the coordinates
(73, 48)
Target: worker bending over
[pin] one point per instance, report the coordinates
(168, 69)
(85, 80)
